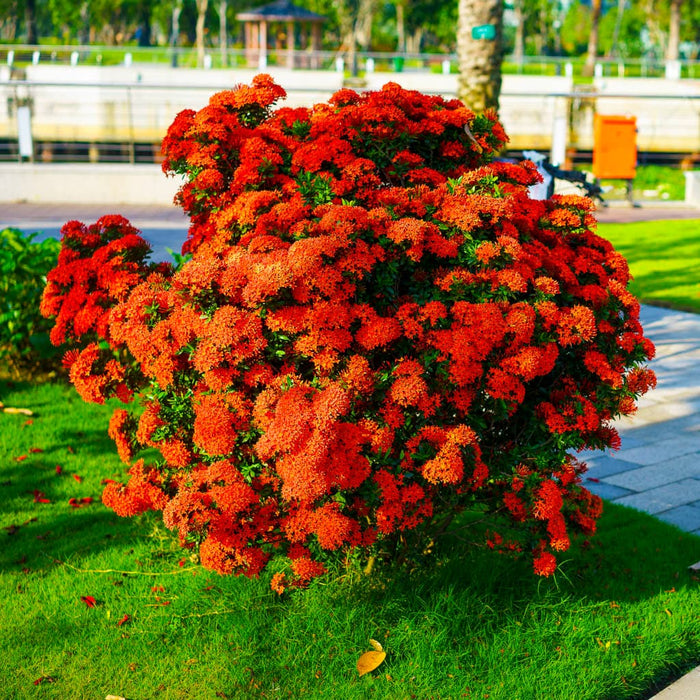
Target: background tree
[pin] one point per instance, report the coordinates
(575, 29)
(479, 60)
(592, 53)
(202, 6)
(221, 10)
(674, 31)
(30, 21)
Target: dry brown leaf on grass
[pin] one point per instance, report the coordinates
(371, 659)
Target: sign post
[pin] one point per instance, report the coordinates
(24, 133)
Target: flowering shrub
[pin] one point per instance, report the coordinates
(377, 329)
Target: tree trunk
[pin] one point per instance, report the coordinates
(144, 24)
(519, 47)
(479, 81)
(589, 65)
(401, 25)
(223, 31)
(618, 25)
(674, 31)
(202, 6)
(175, 31)
(414, 40)
(363, 23)
(84, 27)
(30, 21)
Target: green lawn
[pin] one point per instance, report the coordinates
(618, 621)
(664, 257)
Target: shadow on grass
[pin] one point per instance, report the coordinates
(38, 536)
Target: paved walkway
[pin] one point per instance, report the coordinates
(657, 470)
(164, 227)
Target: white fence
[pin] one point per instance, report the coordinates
(132, 106)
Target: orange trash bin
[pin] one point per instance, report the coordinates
(614, 147)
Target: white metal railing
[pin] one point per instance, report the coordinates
(236, 57)
(125, 121)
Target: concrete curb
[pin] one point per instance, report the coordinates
(76, 183)
(685, 688)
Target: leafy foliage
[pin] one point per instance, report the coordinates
(24, 333)
(377, 330)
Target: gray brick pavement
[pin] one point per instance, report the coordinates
(657, 470)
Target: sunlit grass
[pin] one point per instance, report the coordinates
(618, 620)
(664, 258)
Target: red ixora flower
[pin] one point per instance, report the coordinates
(375, 328)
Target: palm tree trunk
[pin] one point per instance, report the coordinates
(479, 60)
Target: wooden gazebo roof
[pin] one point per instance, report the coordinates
(279, 11)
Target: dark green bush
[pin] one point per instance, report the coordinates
(24, 333)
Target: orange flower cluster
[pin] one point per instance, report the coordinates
(377, 328)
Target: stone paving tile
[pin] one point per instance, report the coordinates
(605, 490)
(671, 447)
(663, 498)
(688, 426)
(652, 476)
(658, 414)
(685, 517)
(605, 466)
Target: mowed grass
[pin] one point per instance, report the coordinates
(619, 620)
(664, 258)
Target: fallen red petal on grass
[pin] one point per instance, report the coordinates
(21, 458)
(88, 600)
(158, 589)
(124, 620)
(28, 422)
(80, 502)
(40, 497)
(35, 450)
(44, 679)
(78, 478)
(59, 469)
(182, 562)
